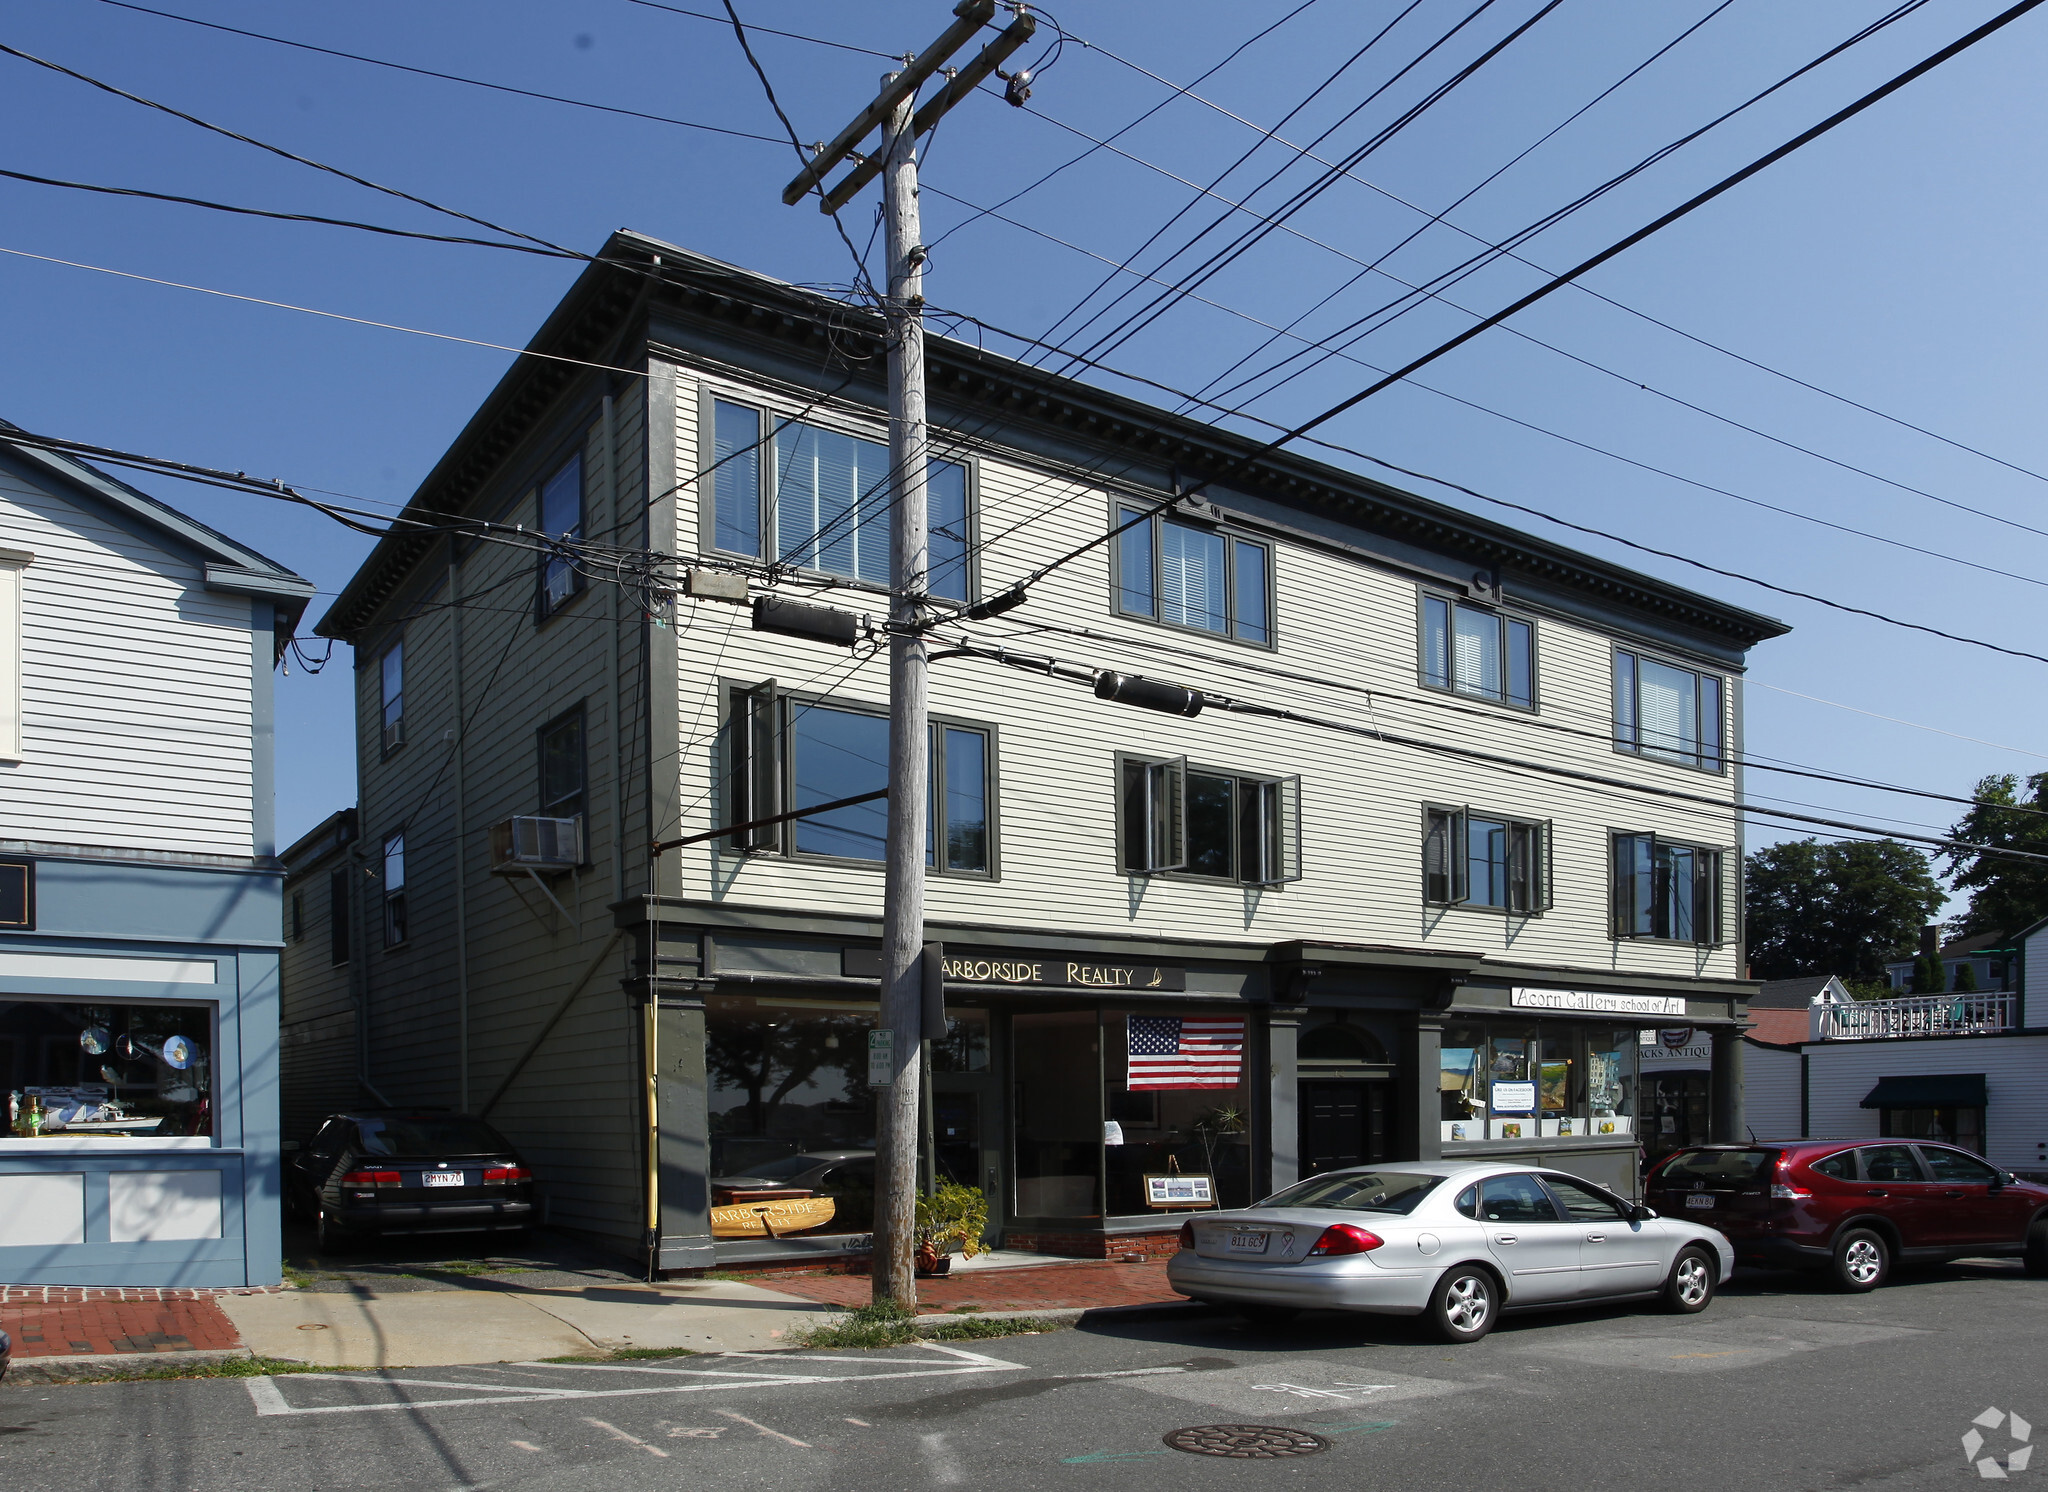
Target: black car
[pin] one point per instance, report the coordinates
(387, 1172)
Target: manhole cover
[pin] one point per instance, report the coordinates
(1246, 1442)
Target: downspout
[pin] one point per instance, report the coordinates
(461, 747)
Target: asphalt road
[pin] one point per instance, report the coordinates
(1780, 1384)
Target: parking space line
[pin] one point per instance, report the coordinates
(757, 1425)
(617, 1434)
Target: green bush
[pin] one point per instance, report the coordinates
(953, 1216)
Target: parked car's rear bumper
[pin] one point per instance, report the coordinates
(1352, 1286)
(450, 1217)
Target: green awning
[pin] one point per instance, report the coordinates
(1945, 1090)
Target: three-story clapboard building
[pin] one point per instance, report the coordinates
(1472, 846)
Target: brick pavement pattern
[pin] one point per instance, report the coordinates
(53, 1321)
(1042, 1287)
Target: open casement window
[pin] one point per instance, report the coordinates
(1270, 831)
(1155, 813)
(756, 792)
(1475, 859)
(1211, 824)
(1670, 891)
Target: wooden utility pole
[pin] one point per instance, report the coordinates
(895, 112)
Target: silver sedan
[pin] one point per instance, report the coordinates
(1455, 1242)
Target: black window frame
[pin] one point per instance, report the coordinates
(1724, 913)
(21, 873)
(767, 465)
(1158, 813)
(1712, 761)
(757, 775)
(1123, 510)
(1446, 876)
(1503, 617)
(338, 916)
(390, 707)
(552, 807)
(546, 562)
(397, 926)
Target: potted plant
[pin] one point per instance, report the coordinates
(952, 1217)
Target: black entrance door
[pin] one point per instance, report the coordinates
(1343, 1123)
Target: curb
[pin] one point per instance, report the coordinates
(1065, 1315)
(29, 1371)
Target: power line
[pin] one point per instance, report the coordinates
(1895, 720)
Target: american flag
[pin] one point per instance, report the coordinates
(1194, 1051)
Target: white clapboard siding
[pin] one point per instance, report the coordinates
(1770, 1096)
(1362, 799)
(136, 689)
(2015, 1068)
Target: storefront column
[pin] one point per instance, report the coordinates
(683, 1158)
(1418, 1087)
(1283, 1123)
(1726, 1125)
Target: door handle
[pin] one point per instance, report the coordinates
(1951, 1194)
(1875, 1193)
(1596, 1238)
(1503, 1238)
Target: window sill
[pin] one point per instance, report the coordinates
(1672, 943)
(105, 1144)
(932, 872)
(1466, 906)
(1669, 761)
(1187, 631)
(1451, 692)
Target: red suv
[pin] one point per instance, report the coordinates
(1853, 1208)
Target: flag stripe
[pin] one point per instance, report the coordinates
(1185, 1052)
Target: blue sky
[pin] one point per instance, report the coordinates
(1894, 262)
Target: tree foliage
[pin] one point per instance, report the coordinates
(2005, 894)
(1840, 909)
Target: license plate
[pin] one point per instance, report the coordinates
(1699, 1199)
(1249, 1243)
(442, 1178)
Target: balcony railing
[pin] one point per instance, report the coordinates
(1921, 1015)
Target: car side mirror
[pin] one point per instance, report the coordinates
(2003, 1178)
(1641, 1213)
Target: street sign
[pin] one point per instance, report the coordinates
(881, 1058)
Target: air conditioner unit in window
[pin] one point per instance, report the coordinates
(537, 844)
(394, 734)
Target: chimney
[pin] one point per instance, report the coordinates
(1930, 940)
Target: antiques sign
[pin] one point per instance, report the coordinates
(1034, 970)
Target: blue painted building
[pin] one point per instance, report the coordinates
(140, 891)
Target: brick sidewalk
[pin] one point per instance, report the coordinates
(63, 1322)
(1041, 1287)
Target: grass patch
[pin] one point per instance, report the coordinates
(966, 1311)
(623, 1354)
(885, 1323)
(234, 1367)
(298, 1279)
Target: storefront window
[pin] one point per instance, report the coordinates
(1058, 1118)
(791, 1114)
(1611, 1079)
(965, 1046)
(1507, 1081)
(116, 1071)
(1175, 1102)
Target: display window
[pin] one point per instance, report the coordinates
(1510, 1080)
(1175, 1105)
(117, 1072)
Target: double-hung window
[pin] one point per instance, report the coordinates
(1478, 651)
(786, 752)
(1475, 859)
(391, 692)
(822, 500)
(1665, 889)
(562, 765)
(394, 891)
(1192, 575)
(1201, 822)
(1670, 713)
(561, 517)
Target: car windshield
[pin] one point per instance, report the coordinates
(788, 1166)
(1718, 1167)
(1358, 1191)
(430, 1134)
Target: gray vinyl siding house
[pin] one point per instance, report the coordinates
(139, 886)
(1423, 935)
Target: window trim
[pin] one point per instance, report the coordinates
(575, 451)
(1622, 747)
(775, 416)
(14, 565)
(1424, 594)
(28, 890)
(779, 840)
(1230, 531)
(389, 897)
(1179, 769)
(340, 933)
(579, 713)
(1541, 880)
(391, 744)
(1726, 930)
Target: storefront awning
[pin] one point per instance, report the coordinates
(1945, 1090)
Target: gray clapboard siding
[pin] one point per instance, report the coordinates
(136, 689)
(1770, 1097)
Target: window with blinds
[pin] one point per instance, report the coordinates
(1475, 650)
(1666, 712)
(1190, 575)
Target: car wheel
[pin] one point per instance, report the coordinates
(1690, 1287)
(1463, 1305)
(2036, 1257)
(1862, 1260)
(1267, 1315)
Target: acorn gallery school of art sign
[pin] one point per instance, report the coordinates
(1034, 971)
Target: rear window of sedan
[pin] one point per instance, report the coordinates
(430, 1134)
(1352, 1191)
(1718, 1168)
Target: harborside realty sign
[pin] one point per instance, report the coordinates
(1034, 970)
(1596, 1001)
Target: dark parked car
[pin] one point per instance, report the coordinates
(394, 1171)
(1853, 1208)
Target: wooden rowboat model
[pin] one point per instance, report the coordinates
(773, 1219)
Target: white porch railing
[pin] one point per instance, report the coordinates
(1921, 1015)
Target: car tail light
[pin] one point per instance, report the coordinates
(507, 1173)
(1785, 1192)
(1187, 1235)
(1343, 1238)
(371, 1178)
